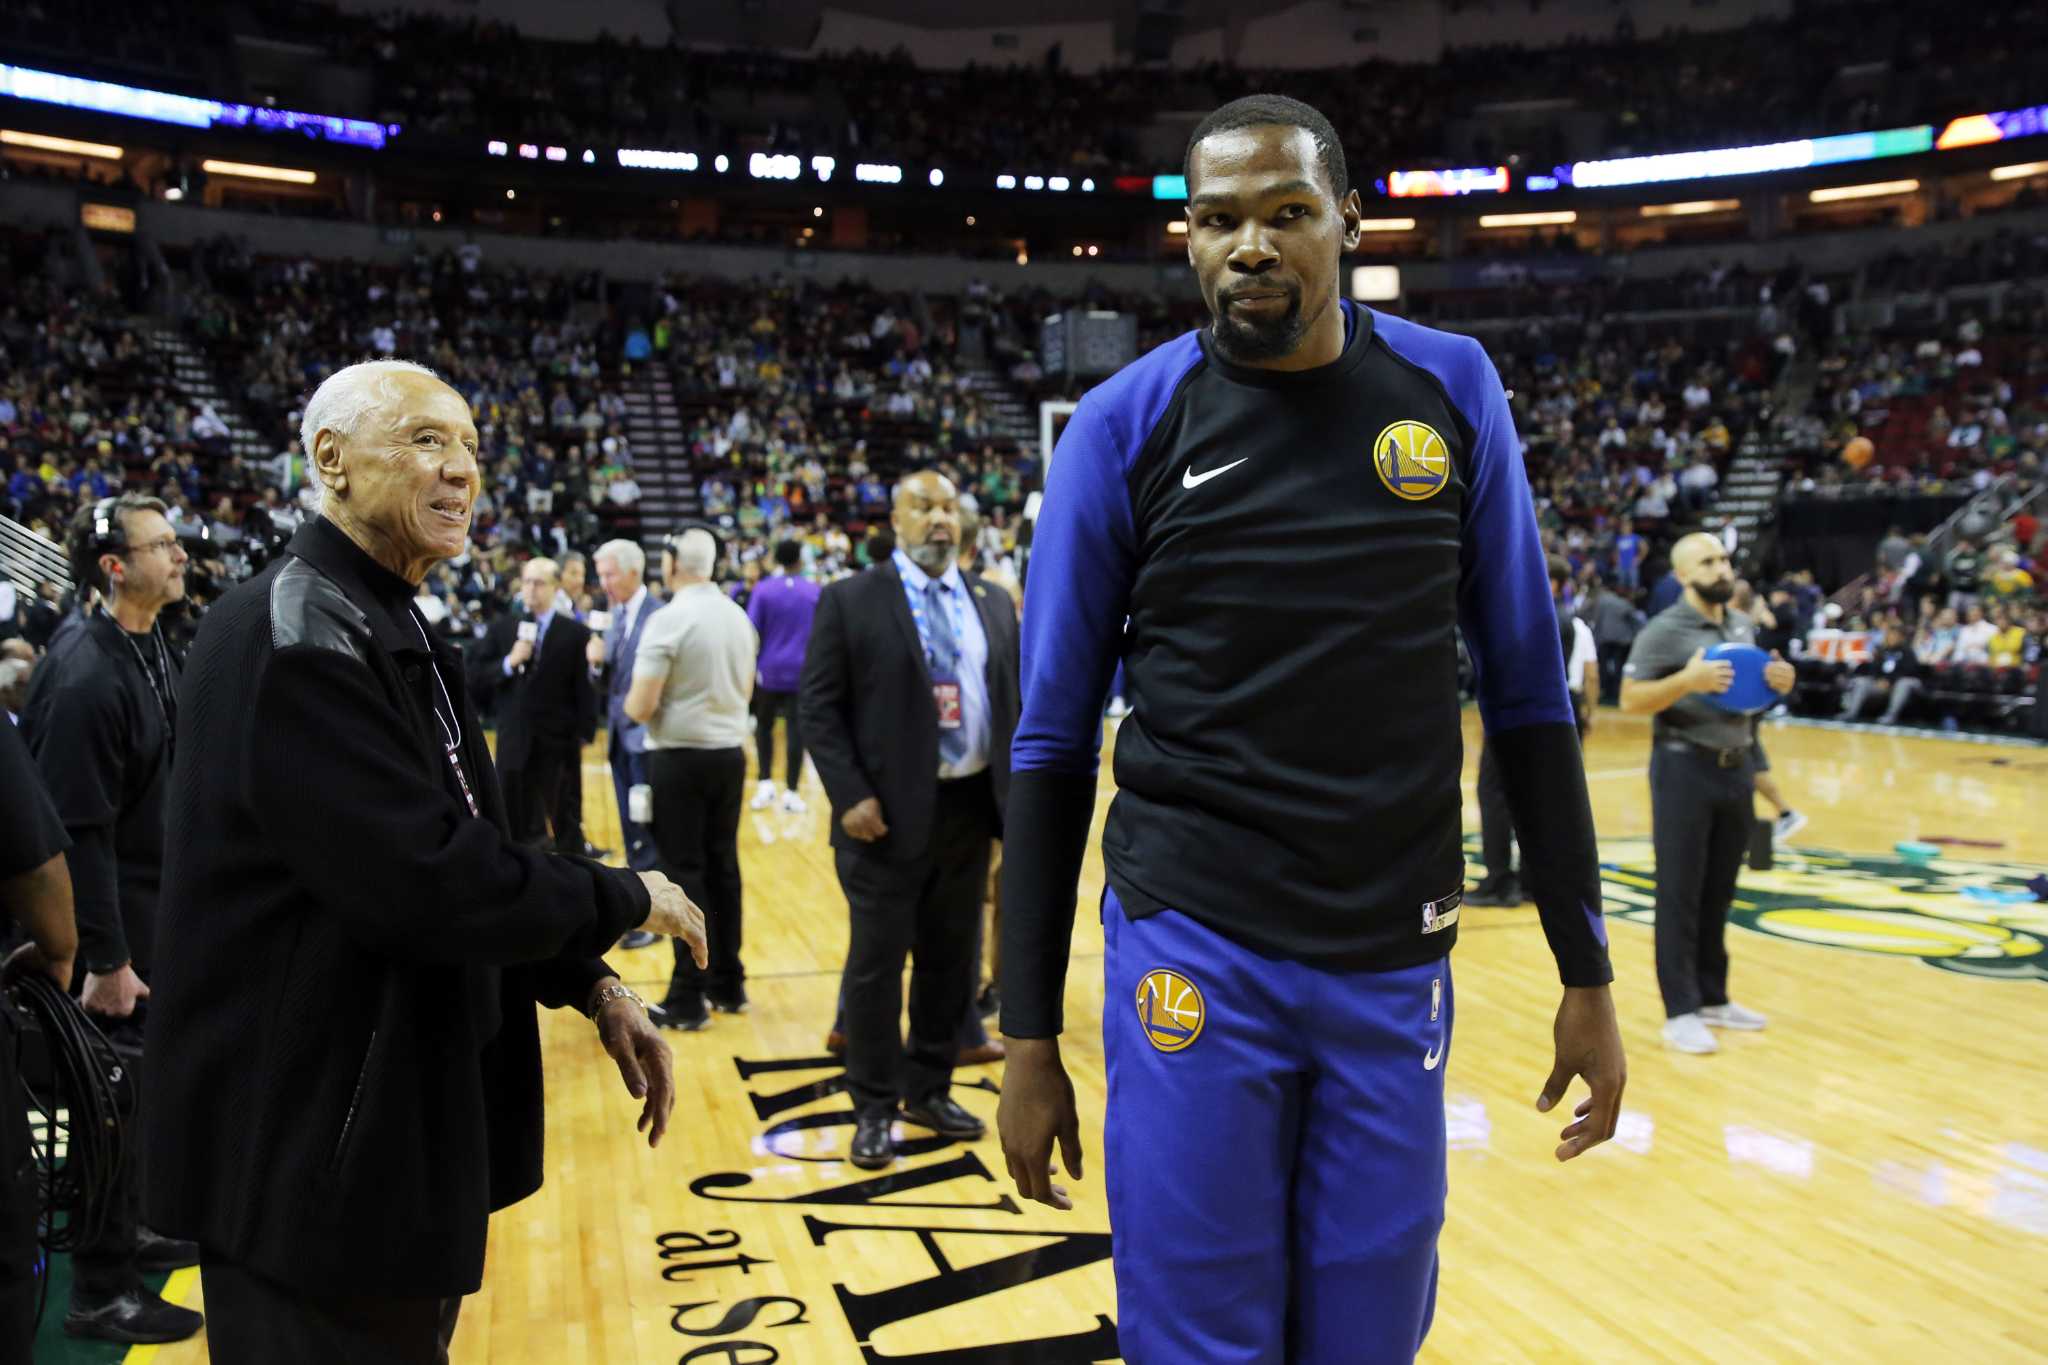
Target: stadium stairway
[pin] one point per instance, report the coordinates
(191, 374)
(661, 454)
(1010, 418)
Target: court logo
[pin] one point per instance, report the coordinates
(1412, 460)
(1170, 1009)
(1970, 915)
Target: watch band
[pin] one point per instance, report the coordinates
(615, 991)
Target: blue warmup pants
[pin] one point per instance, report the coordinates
(1275, 1150)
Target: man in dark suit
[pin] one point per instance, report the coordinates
(908, 705)
(547, 706)
(621, 571)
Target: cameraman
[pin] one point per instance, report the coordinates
(101, 712)
(35, 893)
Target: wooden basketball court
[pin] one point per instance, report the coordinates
(1867, 1180)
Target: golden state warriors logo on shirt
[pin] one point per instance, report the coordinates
(1171, 1010)
(1412, 460)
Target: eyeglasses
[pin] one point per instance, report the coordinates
(167, 545)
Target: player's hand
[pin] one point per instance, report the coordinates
(522, 651)
(1588, 1044)
(1702, 674)
(114, 995)
(675, 915)
(593, 653)
(1037, 1108)
(864, 822)
(1781, 676)
(644, 1061)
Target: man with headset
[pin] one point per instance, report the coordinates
(100, 717)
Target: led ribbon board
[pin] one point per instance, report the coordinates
(188, 111)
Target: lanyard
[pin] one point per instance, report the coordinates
(166, 705)
(450, 721)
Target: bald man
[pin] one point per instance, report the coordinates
(533, 664)
(1702, 783)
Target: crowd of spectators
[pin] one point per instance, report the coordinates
(1824, 68)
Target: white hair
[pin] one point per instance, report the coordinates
(628, 557)
(696, 552)
(349, 395)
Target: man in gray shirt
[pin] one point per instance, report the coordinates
(1701, 787)
(693, 677)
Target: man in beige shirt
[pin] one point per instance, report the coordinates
(693, 677)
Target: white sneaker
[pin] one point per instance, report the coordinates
(1786, 825)
(1688, 1033)
(764, 796)
(793, 803)
(1732, 1016)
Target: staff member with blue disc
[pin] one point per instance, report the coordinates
(1695, 667)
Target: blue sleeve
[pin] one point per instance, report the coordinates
(1504, 604)
(1076, 596)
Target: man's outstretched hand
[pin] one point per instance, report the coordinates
(1588, 1044)
(1037, 1109)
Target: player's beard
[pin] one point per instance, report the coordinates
(1244, 339)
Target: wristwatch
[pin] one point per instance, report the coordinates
(615, 991)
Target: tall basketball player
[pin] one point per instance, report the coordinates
(1295, 507)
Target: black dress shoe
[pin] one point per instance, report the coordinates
(666, 1015)
(733, 1004)
(639, 938)
(873, 1148)
(1504, 894)
(154, 1253)
(989, 1001)
(138, 1318)
(942, 1114)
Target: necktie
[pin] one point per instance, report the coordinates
(945, 651)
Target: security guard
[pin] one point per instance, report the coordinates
(1702, 777)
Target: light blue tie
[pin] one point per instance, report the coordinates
(945, 652)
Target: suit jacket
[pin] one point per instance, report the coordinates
(345, 1066)
(548, 700)
(867, 712)
(625, 732)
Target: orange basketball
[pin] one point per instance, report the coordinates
(1859, 452)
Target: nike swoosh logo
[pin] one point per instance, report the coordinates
(1432, 1057)
(1193, 480)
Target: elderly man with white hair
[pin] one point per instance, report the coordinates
(693, 676)
(622, 573)
(345, 1074)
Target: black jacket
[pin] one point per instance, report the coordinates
(101, 737)
(550, 699)
(344, 1072)
(867, 711)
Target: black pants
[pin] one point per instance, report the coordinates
(1700, 820)
(1496, 825)
(928, 909)
(1612, 655)
(697, 798)
(105, 1267)
(568, 805)
(18, 1207)
(533, 796)
(767, 706)
(253, 1320)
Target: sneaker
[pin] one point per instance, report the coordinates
(1688, 1033)
(1506, 894)
(155, 1254)
(735, 1004)
(140, 1317)
(673, 1017)
(792, 803)
(1732, 1016)
(764, 796)
(1786, 825)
